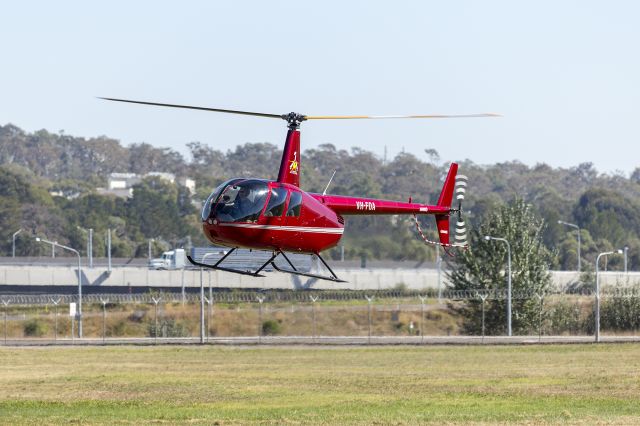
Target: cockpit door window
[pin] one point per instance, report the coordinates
(295, 204)
(275, 208)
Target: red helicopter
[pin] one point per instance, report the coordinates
(278, 216)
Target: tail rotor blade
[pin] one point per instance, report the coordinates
(461, 187)
(461, 232)
(460, 237)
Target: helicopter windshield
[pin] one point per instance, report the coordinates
(215, 194)
(240, 201)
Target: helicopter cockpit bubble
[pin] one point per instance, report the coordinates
(239, 201)
(213, 197)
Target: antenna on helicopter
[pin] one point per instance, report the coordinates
(329, 183)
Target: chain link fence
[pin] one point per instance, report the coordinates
(406, 316)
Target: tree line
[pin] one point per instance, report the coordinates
(605, 206)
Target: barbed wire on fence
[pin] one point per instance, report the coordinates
(303, 296)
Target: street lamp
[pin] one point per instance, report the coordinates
(626, 249)
(109, 250)
(573, 225)
(89, 244)
(15, 234)
(606, 253)
(79, 314)
(488, 238)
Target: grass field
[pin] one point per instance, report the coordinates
(580, 384)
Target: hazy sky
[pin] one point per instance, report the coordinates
(565, 74)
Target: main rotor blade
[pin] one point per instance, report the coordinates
(229, 111)
(377, 117)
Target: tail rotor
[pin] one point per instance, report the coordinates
(460, 239)
(454, 184)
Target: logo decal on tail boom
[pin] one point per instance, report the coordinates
(293, 167)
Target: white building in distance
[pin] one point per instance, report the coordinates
(121, 184)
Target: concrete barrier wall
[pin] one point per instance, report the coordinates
(357, 279)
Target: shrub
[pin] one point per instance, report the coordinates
(565, 317)
(620, 313)
(401, 287)
(271, 327)
(35, 328)
(168, 327)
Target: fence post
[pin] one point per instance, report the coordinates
(202, 298)
(369, 300)
(260, 299)
(422, 299)
(104, 319)
(155, 318)
(209, 316)
(314, 299)
(540, 297)
(55, 319)
(206, 326)
(483, 298)
(6, 304)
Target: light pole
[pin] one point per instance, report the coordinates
(626, 249)
(606, 253)
(488, 238)
(109, 250)
(89, 245)
(90, 254)
(79, 314)
(15, 234)
(573, 225)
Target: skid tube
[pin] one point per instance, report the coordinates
(333, 276)
(216, 266)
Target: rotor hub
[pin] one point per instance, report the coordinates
(294, 119)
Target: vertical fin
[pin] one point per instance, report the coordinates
(447, 189)
(290, 163)
(446, 196)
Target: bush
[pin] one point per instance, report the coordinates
(271, 327)
(168, 327)
(35, 328)
(620, 314)
(401, 287)
(565, 317)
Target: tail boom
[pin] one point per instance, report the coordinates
(345, 205)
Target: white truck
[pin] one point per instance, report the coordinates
(172, 259)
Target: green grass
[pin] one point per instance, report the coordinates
(580, 384)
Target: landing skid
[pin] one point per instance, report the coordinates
(333, 276)
(216, 266)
